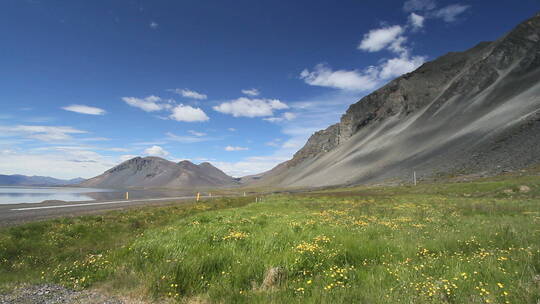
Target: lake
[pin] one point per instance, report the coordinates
(16, 195)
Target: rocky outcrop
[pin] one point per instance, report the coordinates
(320, 142)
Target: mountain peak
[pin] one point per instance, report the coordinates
(152, 171)
(185, 162)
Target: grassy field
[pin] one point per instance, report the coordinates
(475, 242)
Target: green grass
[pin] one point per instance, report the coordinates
(435, 243)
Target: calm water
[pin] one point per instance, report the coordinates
(15, 195)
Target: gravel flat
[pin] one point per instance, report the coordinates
(54, 294)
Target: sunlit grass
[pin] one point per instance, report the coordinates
(439, 243)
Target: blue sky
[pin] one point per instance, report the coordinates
(242, 84)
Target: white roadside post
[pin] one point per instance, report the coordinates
(414, 177)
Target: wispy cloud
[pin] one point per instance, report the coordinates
(354, 80)
(246, 107)
(378, 39)
(416, 21)
(82, 109)
(419, 5)
(284, 117)
(187, 139)
(251, 92)
(235, 148)
(274, 143)
(94, 139)
(154, 25)
(450, 12)
(60, 163)
(250, 165)
(43, 133)
(148, 104)
(190, 94)
(430, 9)
(198, 134)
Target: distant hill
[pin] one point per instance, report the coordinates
(156, 172)
(470, 112)
(23, 180)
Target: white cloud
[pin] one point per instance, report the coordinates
(188, 114)
(247, 107)
(289, 116)
(185, 139)
(59, 163)
(198, 134)
(450, 12)
(117, 149)
(398, 66)
(354, 80)
(397, 46)
(154, 25)
(231, 129)
(251, 92)
(43, 133)
(190, 94)
(416, 21)
(82, 109)
(94, 139)
(274, 143)
(358, 81)
(148, 104)
(178, 112)
(378, 39)
(419, 5)
(156, 151)
(233, 148)
(285, 117)
(250, 165)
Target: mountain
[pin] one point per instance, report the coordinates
(465, 112)
(156, 172)
(23, 180)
